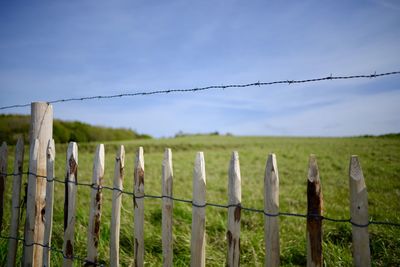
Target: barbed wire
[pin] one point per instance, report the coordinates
(25, 244)
(225, 206)
(211, 87)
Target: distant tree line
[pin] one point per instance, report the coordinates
(13, 126)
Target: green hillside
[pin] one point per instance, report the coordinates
(13, 126)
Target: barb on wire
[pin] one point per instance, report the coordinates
(286, 214)
(87, 262)
(196, 89)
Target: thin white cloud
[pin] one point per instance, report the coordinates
(66, 50)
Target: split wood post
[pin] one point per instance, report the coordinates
(359, 214)
(30, 204)
(314, 213)
(51, 154)
(271, 209)
(95, 205)
(15, 203)
(198, 239)
(234, 211)
(71, 180)
(41, 129)
(116, 206)
(167, 206)
(3, 175)
(138, 203)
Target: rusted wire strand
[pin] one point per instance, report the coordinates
(249, 209)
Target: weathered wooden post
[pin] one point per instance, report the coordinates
(116, 206)
(271, 207)
(234, 211)
(314, 211)
(198, 239)
(138, 203)
(167, 206)
(359, 214)
(3, 175)
(95, 205)
(41, 130)
(15, 205)
(51, 154)
(30, 205)
(71, 180)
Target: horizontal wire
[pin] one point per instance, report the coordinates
(287, 214)
(52, 249)
(196, 89)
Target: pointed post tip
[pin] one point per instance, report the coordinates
(20, 141)
(235, 155)
(355, 168)
(100, 149)
(4, 145)
(313, 172)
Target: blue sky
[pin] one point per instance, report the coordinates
(53, 49)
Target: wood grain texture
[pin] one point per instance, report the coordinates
(41, 129)
(359, 214)
(234, 212)
(30, 205)
(70, 203)
(138, 203)
(271, 206)
(48, 224)
(15, 202)
(167, 208)
(198, 239)
(96, 198)
(314, 207)
(116, 206)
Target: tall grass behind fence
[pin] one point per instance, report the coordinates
(239, 211)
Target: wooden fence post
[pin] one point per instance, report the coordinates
(71, 180)
(51, 154)
(95, 205)
(116, 206)
(167, 206)
(198, 239)
(234, 211)
(41, 129)
(359, 214)
(314, 210)
(30, 205)
(15, 205)
(139, 208)
(271, 207)
(3, 175)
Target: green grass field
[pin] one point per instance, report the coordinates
(380, 159)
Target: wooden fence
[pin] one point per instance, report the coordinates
(39, 208)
